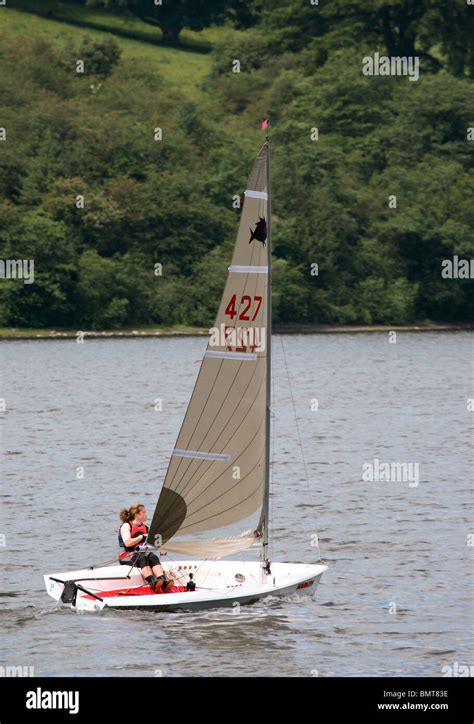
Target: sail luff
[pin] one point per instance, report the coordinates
(266, 495)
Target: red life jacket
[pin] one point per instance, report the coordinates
(134, 531)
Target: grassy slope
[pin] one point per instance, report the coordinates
(183, 68)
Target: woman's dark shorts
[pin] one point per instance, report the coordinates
(141, 560)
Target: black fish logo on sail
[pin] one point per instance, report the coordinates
(260, 231)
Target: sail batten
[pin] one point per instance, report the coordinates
(199, 454)
(256, 194)
(231, 355)
(249, 269)
(217, 472)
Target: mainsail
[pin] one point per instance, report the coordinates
(218, 472)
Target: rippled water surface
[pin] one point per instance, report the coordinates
(397, 598)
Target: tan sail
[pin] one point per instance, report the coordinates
(216, 475)
(214, 548)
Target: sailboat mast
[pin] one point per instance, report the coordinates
(266, 500)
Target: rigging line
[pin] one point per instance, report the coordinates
(300, 444)
(100, 565)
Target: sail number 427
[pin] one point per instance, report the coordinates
(247, 302)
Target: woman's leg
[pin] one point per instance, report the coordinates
(154, 563)
(151, 570)
(140, 560)
(158, 571)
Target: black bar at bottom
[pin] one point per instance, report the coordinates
(316, 699)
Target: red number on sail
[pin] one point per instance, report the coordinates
(230, 309)
(246, 300)
(243, 314)
(259, 304)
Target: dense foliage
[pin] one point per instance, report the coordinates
(88, 192)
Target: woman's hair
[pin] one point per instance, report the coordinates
(127, 514)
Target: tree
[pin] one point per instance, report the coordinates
(171, 16)
(100, 297)
(47, 300)
(402, 27)
(124, 230)
(100, 56)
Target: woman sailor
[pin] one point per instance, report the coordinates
(132, 541)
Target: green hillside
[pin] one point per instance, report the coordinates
(88, 192)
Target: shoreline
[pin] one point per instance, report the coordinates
(30, 334)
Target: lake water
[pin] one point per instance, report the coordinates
(397, 598)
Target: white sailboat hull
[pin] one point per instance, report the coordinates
(216, 585)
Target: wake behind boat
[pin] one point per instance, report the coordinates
(219, 472)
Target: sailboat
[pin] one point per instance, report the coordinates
(219, 471)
